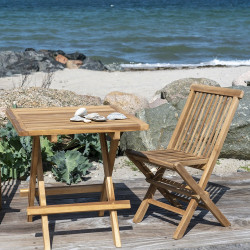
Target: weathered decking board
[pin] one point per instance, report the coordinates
(87, 231)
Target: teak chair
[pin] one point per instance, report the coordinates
(196, 142)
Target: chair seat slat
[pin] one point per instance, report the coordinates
(163, 157)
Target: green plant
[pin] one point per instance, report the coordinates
(70, 166)
(15, 153)
(131, 165)
(218, 162)
(246, 168)
(68, 156)
(88, 144)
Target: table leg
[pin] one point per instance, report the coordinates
(33, 173)
(109, 188)
(111, 155)
(36, 171)
(42, 200)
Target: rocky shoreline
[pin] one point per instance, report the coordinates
(160, 112)
(30, 61)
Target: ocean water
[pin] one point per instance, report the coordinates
(137, 32)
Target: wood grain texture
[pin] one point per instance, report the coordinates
(78, 207)
(196, 142)
(87, 231)
(56, 121)
(79, 189)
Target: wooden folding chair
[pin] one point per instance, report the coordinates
(196, 142)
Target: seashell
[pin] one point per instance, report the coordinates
(77, 118)
(116, 116)
(86, 120)
(91, 115)
(99, 118)
(81, 112)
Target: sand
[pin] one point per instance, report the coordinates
(142, 83)
(124, 169)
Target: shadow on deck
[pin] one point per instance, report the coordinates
(88, 231)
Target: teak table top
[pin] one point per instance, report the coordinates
(56, 120)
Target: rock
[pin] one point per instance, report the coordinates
(242, 80)
(237, 143)
(71, 65)
(157, 102)
(178, 90)
(31, 60)
(77, 62)
(163, 119)
(76, 56)
(29, 49)
(61, 59)
(91, 64)
(26, 62)
(128, 102)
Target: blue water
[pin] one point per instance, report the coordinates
(159, 32)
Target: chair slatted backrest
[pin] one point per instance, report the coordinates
(205, 120)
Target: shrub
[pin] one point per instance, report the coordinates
(68, 159)
(70, 166)
(15, 153)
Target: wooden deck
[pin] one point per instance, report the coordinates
(87, 231)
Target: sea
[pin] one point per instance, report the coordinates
(138, 33)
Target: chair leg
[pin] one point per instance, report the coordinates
(203, 195)
(141, 211)
(182, 227)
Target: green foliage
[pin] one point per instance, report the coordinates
(88, 144)
(15, 153)
(67, 158)
(70, 166)
(246, 168)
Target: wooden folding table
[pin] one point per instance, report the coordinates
(54, 121)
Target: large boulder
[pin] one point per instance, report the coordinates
(128, 102)
(237, 143)
(93, 64)
(26, 62)
(163, 119)
(242, 80)
(178, 90)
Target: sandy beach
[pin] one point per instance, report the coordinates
(142, 83)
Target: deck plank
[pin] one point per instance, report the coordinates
(88, 231)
